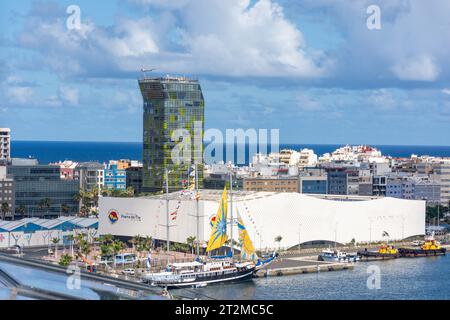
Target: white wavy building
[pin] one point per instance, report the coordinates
(297, 218)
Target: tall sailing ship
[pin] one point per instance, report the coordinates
(212, 270)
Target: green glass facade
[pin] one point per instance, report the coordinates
(170, 103)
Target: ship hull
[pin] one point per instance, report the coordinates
(201, 281)
(371, 256)
(410, 252)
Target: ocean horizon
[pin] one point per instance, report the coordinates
(80, 151)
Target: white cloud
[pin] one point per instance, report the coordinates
(224, 38)
(68, 95)
(420, 69)
(412, 44)
(19, 95)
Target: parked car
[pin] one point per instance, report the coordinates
(16, 249)
(416, 243)
(129, 271)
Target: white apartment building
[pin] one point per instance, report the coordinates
(5, 144)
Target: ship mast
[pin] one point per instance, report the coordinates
(231, 213)
(197, 210)
(167, 213)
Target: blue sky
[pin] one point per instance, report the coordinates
(311, 68)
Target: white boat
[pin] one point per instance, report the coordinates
(336, 256)
(198, 274)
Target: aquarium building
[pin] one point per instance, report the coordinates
(298, 218)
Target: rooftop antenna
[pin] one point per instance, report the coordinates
(145, 70)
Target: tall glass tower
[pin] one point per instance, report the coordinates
(171, 104)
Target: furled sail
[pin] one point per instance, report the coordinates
(248, 250)
(219, 225)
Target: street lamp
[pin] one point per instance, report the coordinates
(299, 241)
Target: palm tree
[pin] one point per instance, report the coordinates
(191, 241)
(55, 242)
(21, 209)
(105, 249)
(117, 246)
(278, 239)
(85, 248)
(135, 242)
(65, 260)
(65, 208)
(5, 209)
(106, 239)
(130, 192)
(148, 243)
(80, 239)
(45, 203)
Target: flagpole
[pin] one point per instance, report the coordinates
(197, 211)
(167, 214)
(231, 213)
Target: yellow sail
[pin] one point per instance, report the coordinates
(219, 225)
(248, 250)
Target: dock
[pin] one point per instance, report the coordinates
(300, 265)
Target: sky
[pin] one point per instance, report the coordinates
(310, 68)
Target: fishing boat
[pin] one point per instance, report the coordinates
(384, 252)
(212, 270)
(335, 255)
(430, 247)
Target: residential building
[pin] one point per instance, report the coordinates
(272, 184)
(172, 105)
(7, 193)
(307, 158)
(90, 175)
(313, 180)
(115, 178)
(365, 182)
(352, 181)
(313, 184)
(289, 157)
(427, 189)
(337, 180)
(5, 144)
(400, 186)
(67, 169)
(442, 171)
(34, 184)
(379, 185)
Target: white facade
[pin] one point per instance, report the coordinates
(293, 216)
(5, 143)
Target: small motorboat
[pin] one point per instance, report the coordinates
(329, 255)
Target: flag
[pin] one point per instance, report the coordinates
(219, 226)
(248, 250)
(149, 260)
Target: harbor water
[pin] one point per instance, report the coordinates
(423, 278)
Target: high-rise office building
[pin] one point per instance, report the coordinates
(40, 191)
(171, 105)
(5, 144)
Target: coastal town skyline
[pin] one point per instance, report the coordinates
(333, 83)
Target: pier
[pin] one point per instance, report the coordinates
(300, 265)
